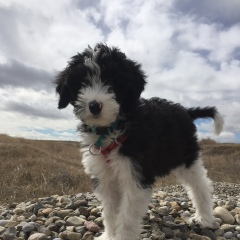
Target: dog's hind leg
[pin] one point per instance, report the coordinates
(199, 189)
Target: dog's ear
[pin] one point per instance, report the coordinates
(62, 89)
(128, 83)
(134, 87)
(126, 76)
(69, 81)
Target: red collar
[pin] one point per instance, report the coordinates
(105, 151)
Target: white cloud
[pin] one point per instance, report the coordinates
(189, 49)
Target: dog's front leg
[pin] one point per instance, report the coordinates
(133, 205)
(109, 196)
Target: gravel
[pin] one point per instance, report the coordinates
(79, 216)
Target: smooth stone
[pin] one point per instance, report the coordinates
(92, 226)
(49, 221)
(70, 228)
(38, 236)
(80, 229)
(195, 236)
(228, 227)
(206, 238)
(3, 223)
(74, 221)
(64, 213)
(29, 227)
(60, 223)
(91, 218)
(74, 236)
(224, 214)
(228, 234)
(47, 211)
(219, 232)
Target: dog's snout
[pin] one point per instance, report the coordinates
(95, 107)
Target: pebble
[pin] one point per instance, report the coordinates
(74, 217)
(38, 236)
(74, 221)
(224, 214)
(228, 234)
(92, 226)
(29, 227)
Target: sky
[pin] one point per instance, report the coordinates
(190, 51)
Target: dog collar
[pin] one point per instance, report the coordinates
(106, 130)
(105, 151)
(103, 132)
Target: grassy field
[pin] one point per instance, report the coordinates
(34, 168)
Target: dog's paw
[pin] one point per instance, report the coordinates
(103, 236)
(203, 223)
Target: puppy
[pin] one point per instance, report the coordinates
(128, 141)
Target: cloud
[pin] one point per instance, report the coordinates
(27, 109)
(45, 33)
(222, 12)
(190, 51)
(14, 73)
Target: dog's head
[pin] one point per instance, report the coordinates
(100, 83)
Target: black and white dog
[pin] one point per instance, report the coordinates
(128, 141)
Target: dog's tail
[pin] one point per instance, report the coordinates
(208, 112)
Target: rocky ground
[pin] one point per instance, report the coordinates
(79, 217)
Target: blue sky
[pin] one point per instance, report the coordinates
(189, 49)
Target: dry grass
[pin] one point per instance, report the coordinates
(221, 160)
(33, 168)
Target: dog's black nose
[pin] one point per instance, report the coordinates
(95, 107)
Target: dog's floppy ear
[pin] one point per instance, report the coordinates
(128, 78)
(69, 81)
(134, 87)
(129, 82)
(62, 89)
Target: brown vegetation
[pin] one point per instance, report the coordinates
(35, 168)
